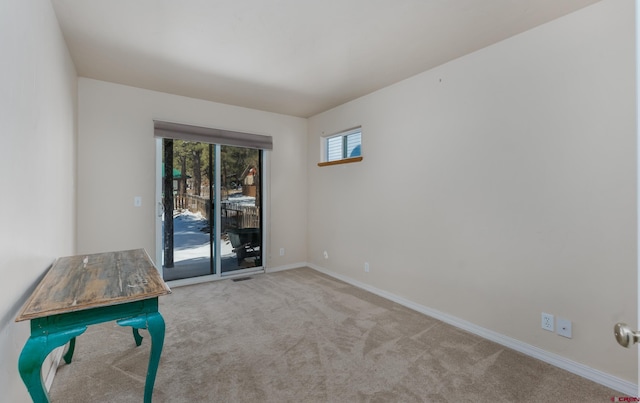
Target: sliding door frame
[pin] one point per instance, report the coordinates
(265, 220)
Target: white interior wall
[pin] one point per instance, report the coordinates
(498, 186)
(37, 161)
(117, 157)
(492, 188)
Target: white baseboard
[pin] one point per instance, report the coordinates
(610, 381)
(286, 267)
(56, 356)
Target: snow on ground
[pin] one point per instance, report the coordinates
(191, 241)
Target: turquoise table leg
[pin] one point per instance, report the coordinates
(36, 349)
(137, 337)
(69, 355)
(156, 331)
(155, 324)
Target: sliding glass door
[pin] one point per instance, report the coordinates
(240, 208)
(201, 236)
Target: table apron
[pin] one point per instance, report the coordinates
(60, 322)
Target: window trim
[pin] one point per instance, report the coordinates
(338, 162)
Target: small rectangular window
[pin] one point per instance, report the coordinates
(343, 146)
(334, 148)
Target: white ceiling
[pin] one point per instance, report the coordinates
(297, 57)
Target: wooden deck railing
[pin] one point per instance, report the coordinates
(234, 215)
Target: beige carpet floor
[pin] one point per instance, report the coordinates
(301, 336)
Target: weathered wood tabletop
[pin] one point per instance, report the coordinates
(81, 282)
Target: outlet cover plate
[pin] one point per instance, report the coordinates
(564, 328)
(547, 321)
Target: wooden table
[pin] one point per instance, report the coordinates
(84, 290)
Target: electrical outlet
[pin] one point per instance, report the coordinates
(137, 201)
(326, 254)
(281, 251)
(564, 328)
(366, 267)
(547, 321)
